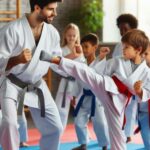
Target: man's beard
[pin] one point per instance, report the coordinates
(42, 18)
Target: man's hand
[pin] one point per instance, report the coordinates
(23, 58)
(103, 52)
(138, 88)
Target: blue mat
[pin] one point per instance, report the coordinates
(91, 146)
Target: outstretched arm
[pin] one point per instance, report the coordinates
(75, 69)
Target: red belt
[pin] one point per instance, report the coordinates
(123, 89)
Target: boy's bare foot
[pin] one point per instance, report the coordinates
(128, 139)
(23, 144)
(81, 147)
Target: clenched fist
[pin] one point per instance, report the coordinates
(138, 88)
(103, 51)
(25, 56)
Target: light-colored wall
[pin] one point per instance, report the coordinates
(113, 8)
(11, 5)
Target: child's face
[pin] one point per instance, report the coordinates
(129, 52)
(123, 28)
(71, 36)
(147, 56)
(88, 49)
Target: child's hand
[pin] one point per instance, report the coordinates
(77, 51)
(73, 101)
(103, 52)
(138, 88)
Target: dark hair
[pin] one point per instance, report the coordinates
(129, 19)
(41, 3)
(136, 38)
(92, 38)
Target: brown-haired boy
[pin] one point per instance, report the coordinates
(88, 105)
(116, 87)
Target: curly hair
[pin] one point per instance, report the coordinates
(127, 18)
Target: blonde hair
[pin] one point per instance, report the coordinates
(70, 26)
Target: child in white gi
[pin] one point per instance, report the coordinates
(116, 90)
(70, 39)
(126, 22)
(144, 106)
(88, 105)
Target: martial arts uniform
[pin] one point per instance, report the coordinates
(65, 89)
(131, 110)
(23, 129)
(89, 106)
(15, 37)
(118, 50)
(104, 86)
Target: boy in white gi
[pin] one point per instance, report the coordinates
(116, 95)
(88, 105)
(21, 43)
(126, 22)
(144, 106)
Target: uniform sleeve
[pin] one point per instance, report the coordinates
(83, 73)
(100, 67)
(110, 67)
(7, 45)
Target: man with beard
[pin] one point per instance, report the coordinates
(21, 43)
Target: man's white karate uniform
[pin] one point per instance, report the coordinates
(23, 129)
(131, 110)
(99, 119)
(67, 94)
(104, 86)
(15, 37)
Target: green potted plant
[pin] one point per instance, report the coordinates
(88, 16)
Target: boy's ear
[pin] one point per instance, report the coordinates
(96, 47)
(140, 50)
(37, 8)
